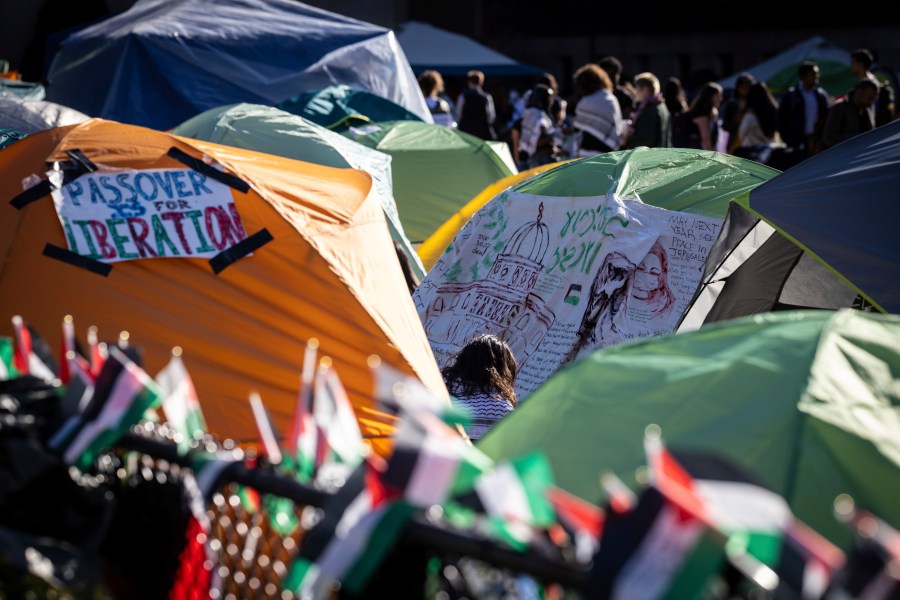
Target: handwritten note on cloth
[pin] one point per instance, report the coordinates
(558, 277)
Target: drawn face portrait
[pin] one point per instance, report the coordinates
(647, 277)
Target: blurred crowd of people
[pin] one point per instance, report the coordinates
(609, 112)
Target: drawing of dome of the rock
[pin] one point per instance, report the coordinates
(503, 303)
(522, 257)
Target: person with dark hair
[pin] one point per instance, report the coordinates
(481, 378)
(802, 110)
(597, 115)
(882, 112)
(850, 116)
(734, 108)
(698, 127)
(475, 108)
(756, 137)
(676, 100)
(613, 68)
(432, 85)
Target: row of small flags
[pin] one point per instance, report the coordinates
(696, 515)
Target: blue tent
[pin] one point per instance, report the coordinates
(164, 61)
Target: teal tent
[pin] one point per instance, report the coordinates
(338, 107)
(266, 129)
(436, 169)
(10, 136)
(808, 401)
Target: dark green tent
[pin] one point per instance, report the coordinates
(808, 401)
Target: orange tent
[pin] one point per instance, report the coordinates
(329, 272)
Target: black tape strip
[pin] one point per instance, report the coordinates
(32, 194)
(71, 170)
(211, 172)
(247, 245)
(79, 157)
(67, 256)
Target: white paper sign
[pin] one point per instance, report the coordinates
(118, 215)
(558, 277)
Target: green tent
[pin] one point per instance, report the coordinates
(338, 107)
(273, 131)
(780, 71)
(694, 181)
(809, 401)
(436, 169)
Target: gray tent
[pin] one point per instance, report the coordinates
(820, 235)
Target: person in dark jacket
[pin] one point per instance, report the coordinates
(802, 111)
(651, 125)
(475, 108)
(852, 115)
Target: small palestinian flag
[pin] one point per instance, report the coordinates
(807, 563)
(431, 462)
(70, 362)
(301, 443)
(123, 392)
(657, 550)
(179, 401)
(8, 368)
(358, 528)
(32, 354)
(731, 499)
(872, 569)
(339, 437)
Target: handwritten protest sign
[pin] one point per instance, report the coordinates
(115, 215)
(557, 277)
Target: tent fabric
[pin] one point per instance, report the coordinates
(700, 182)
(273, 131)
(436, 169)
(752, 268)
(839, 210)
(30, 116)
(558, 275)
(164, 61)
(780, 71)
(10, 136)
(330, 272)
(432, 248)
(337, 107)
(23, 90)
(808, 401)
(452, 54)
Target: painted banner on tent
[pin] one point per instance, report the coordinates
(154, 213)
(557, 277)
